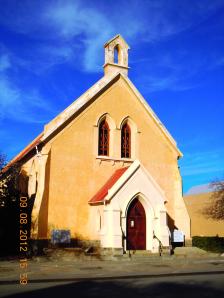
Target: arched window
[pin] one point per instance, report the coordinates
(126, 141)
(104, 136)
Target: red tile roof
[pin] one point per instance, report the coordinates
(103, 191)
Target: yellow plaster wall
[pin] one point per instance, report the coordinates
(75, 173)
(43, 213)
(201, 225)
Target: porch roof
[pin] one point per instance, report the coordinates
(103, 191)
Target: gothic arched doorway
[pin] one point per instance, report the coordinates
(136, 226)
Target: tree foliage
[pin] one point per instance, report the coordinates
(13, 185)
(9, 182)
(3, 185)
(2, 160)
(9, 211)
(215, 210)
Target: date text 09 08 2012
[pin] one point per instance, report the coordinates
(23, 241)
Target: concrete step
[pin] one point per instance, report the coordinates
(138, 252)
(191, 252)
(112, 254)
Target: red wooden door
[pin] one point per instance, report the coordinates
(136, 226)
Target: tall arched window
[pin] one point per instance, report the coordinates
(104, 136)
(116, 55)
(126, 141)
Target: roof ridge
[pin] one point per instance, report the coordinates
(83, 99)
(77, 104)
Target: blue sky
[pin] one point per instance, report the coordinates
(52, 51)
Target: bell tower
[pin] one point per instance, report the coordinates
(116, 56)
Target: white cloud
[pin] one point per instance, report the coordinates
(74, 22)
(201, 169)
(203, 162)
(4, 62)
(171, 81)
(72, 31)
(175, 70)
(168, 18)
(72, 28)
(18, 104)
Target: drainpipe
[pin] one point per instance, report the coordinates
(37, 152)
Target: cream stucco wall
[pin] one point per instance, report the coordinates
(76, 173)
(200, 224)
(67, 171)
(135, 183)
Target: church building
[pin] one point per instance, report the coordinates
(106, 168)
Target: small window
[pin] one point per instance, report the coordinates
(125, 141)
(103, 146)
(116, 55)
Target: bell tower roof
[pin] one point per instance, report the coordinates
(116, 56)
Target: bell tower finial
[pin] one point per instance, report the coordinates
(116, 56)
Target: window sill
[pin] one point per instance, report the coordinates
(108, 158)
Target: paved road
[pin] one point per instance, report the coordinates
(196, 285)
(164, 278)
